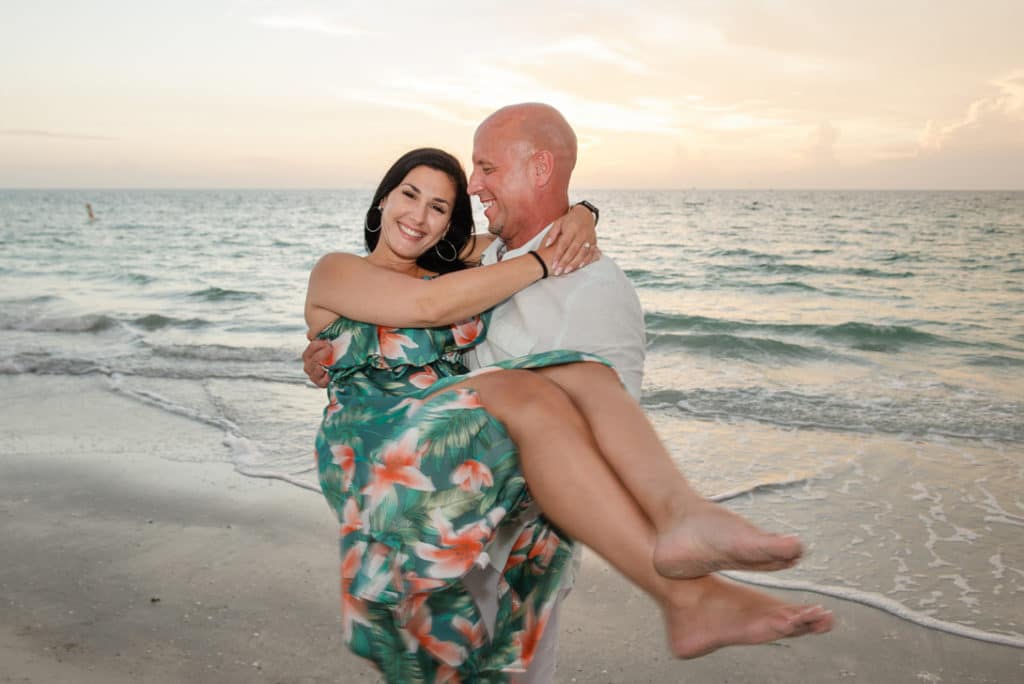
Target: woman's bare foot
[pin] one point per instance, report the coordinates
(711, 538)
(730, 614)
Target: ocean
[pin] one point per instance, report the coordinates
(848, 366)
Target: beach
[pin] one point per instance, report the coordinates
(134, 552)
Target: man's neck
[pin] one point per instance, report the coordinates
(537, 225)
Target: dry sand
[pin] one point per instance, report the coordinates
(126, 555)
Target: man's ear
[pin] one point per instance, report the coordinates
(543, 167)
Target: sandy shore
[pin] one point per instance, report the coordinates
(127, 556)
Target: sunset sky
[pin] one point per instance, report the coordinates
(674, 94)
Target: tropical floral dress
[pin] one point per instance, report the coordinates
(421, 478)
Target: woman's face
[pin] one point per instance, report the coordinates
(416, 214)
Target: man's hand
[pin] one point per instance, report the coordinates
(316, 355)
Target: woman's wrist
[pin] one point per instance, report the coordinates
(540, 260)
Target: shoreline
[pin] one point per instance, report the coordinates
(122, 564)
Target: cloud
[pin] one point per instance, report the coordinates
(821, 148)
(588, 48)
(441, 111)
(992, 121)
(309, 23)
(31, 133)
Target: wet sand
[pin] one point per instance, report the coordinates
(127, 557)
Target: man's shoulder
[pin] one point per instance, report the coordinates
(604, 274)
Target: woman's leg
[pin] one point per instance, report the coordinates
(579, 493)
(695, 536)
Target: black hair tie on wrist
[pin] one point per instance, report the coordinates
(541, 262)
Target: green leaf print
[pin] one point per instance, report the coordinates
(451, 503)
(451, 433)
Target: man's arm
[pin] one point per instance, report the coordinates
(314, 357)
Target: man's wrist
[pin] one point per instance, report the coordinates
(591, 208)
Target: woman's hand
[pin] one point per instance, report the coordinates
(548, 253)
(574, 236)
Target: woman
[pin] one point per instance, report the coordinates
(424, 463)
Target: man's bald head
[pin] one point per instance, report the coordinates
(540, 126)
(523, 157)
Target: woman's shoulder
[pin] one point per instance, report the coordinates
(339, 260)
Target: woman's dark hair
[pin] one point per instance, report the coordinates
(460, 231)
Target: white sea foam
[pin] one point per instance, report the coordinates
(880, 602)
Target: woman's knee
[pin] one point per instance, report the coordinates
(524, 391)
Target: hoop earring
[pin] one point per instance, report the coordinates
(374, 212)
(451, 246)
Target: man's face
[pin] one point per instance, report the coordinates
(501, 179)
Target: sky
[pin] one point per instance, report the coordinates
(902, 94)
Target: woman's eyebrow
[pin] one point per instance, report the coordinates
(436, 199)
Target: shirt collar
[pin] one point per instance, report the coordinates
(496, 252)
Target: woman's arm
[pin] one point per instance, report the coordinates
(350, 286)
(577, 229)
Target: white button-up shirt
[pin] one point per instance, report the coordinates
(593, 310)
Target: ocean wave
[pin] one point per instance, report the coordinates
(96, 323)
(154, 322)
(771, 267)
(46, 364)
(726, 346)
(220, 352)
(996, 360)
(900, 256)
(744, 253)
(83, 323)
(217, 294)
(137, 278)
(789, 285)
(852, 334)
(654, 280)
(959, 416)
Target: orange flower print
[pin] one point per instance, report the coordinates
(352, 608)
(468, 331)
(528, 640)
(393, 343)
(424, 378)
(519, 550)
(339, 347)
(333, 406)
(400, 465)
(352, 520)
(414, 405)
(420, 627)
(459, 551)
(473, 632)
(472, 475)
(344, 457)
(544, 550)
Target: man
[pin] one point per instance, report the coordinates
(523, 158)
